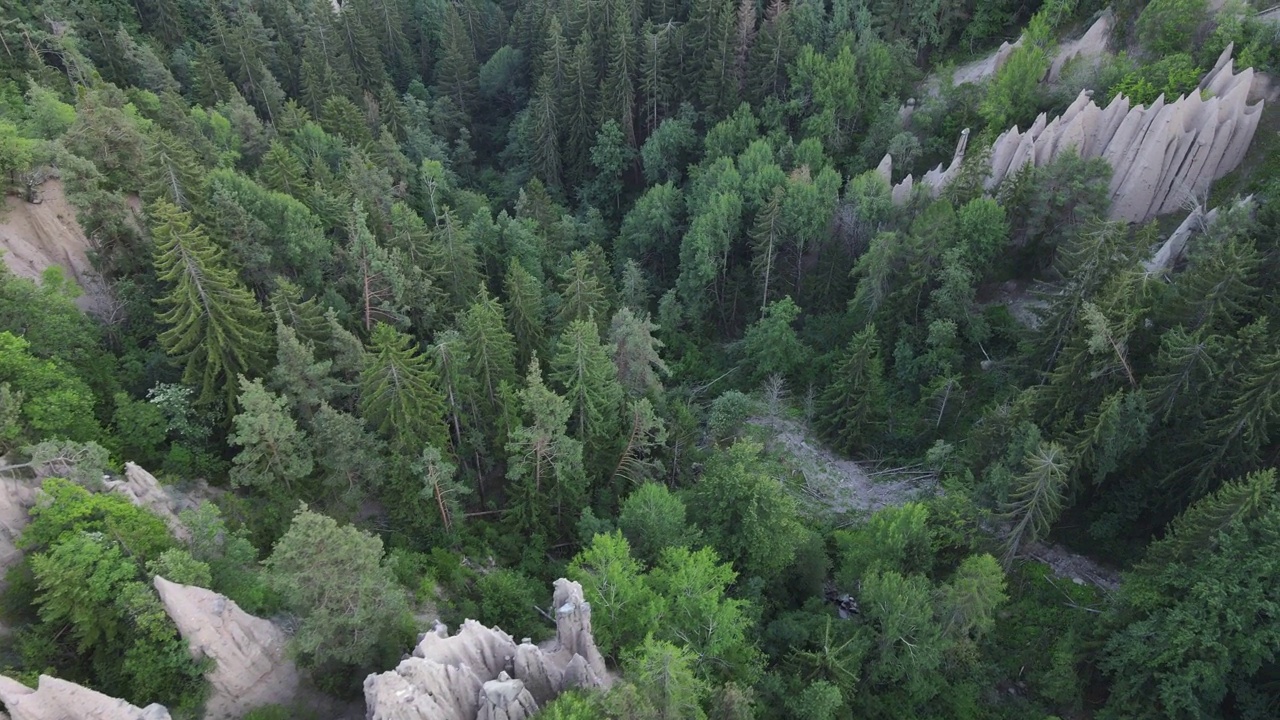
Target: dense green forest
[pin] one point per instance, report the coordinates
(455, 297)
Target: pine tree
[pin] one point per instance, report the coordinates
(305, 381)
(380, 286)
(399, 395)
(348, 458)
(854, 405)
(491, 351)
(583, 369)
(440, 487)
(582, 296)
(544, 465)
(274, 451)
(766, 240)
(214, 326)
(173, 173)
(526, 311)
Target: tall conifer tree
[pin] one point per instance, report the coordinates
(214, 326)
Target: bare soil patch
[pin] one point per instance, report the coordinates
(36, 236)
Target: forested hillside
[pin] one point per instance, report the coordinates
(445, 299)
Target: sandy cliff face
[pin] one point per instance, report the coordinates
(482, 674)
(1161, 156)
(250, 668)
(55, 699)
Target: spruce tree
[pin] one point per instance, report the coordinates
(583, 369)
(853, 407)
(1195, 532)
(580, 113)
(766, 241)
(544, 131)
(304, 317)
(1037, 497)
(213, 325)
(526, 311)
(456, 69)
(491, 351)
(544, 465)
(582, 296)
(455, 261)
(399, 395)
(173, 173)
(282, 171)
(618, 93)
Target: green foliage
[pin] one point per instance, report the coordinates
(177, 565)
(771, 346)
(653, 519)
(745, 512)
(275, 455)
(1172, 76)
(700, 616)
(728, 414)
(54, 402)
(1166, 27)
(509, 599)
(334, 577)
(623, 607)
(666, 680)
(398, 394)
(895, 538)
(214, 326)
(16, 154)
(1193, 638)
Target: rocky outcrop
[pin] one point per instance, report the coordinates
(55, 699)
(250, 668)
(505, 699)
(486, 650)
(1160, 155)
(16, 498)
(1091, 45)
(482, 674)
(142, 489)
(1198, 222)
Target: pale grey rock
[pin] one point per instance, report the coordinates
(487, 651)
(1089, 47)
(481, 674)
(505, 699)
(142, 489)
(55, 699)
(16, 499)
(1162, 156)
(418, 689)
(250, 668)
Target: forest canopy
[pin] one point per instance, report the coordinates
(428, 303)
